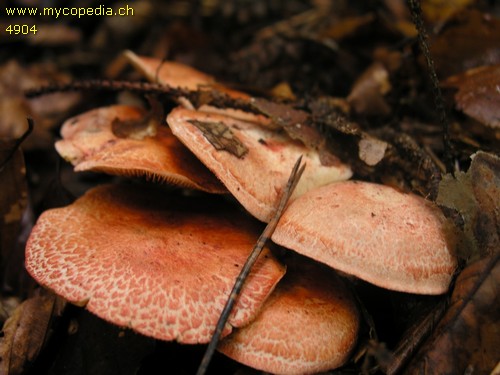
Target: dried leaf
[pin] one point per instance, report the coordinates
(283, 91)
(485, 176)
(441, 10)
(46, 111)
(7, 307)
(26, 331)
(475, 195)
(367, 94)
(347, 27)
(469, 41)
(371, 150)
(293, 121)
(221, 137)
(468, 337)
(479, 94)
(346, 135)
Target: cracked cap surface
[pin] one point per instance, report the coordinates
(161, 266)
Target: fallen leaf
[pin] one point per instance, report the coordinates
(470, 40)
(347, 26)
(441, 10)
(46, 111)
(468, 337)
(367, 93)
(26, 331)
(475, 195)
(485, 177)
(345, 135)
(221, 137)
(283, 91)
(293, 121)
(7, 307)
(478, 94)
(371, 150)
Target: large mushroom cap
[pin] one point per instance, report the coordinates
(163, 266)
(394, 240)
(309, 324)
(257, 168)
(90, 143)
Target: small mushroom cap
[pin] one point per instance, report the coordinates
(309, 324)
(394, 240)
(170, 73)
(89, 143)
(163, 266)
(178, 75)
(256, 178)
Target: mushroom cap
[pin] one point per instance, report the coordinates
(169, 73)
(161, 265)
(89, 143)
(309, 324)
(256, 178)
(178, 75)
(391, 239)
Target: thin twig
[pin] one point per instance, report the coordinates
(204, 95)
(416, 13)
(20, 140)
(238, 285)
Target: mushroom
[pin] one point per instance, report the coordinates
(161, 265)
(309, 324)
(90, 143)
(251, 161)
(391, 239)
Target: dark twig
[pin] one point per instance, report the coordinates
(416, 13)
(18, 143)
(204, 95)
(268, 231)
(98, 84)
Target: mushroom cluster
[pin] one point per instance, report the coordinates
(163, 263)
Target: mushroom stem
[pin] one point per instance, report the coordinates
(240, 280)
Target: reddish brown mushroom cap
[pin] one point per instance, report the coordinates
(309, 324)
(160, 265)
(90, 144)
(169, 73)
(256, 177)
(394, 240)
(178, 75)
